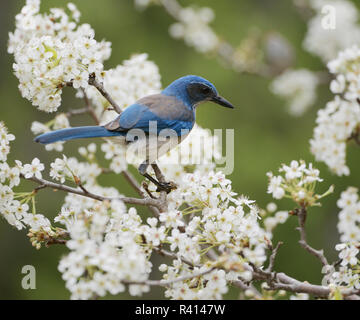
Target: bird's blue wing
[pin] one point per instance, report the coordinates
(168, 113)
(132, 115)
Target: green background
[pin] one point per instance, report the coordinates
(265, 134)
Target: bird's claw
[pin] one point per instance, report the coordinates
(166, 186)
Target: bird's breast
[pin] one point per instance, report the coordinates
(148, 148)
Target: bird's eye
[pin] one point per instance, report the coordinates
(205, 90)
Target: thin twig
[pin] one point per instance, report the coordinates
(273, 256)
(42, 186)
(75, 112)
(100, 87)
(173, 255)
(301, 214)
(52, 241)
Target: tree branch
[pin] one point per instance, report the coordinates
(165, 283)
(281, 281)
(85, 193)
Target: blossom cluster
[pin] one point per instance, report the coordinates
(209, 286)
(74, 170)
(193, 24)
(204, 214)
(14, 206)
(339, 121)
(5, 139)
(215, 219)
(95, 264)
(333, 28)
(298, 87)
(297, 181)
(51, 50)
(105, 250)
(193, 27)
(347, 274)
(111, 246)
(349, 216)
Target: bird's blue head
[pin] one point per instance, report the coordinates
(193, 90)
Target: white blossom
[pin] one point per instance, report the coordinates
(49, 50)
(340, 119)
(5, 138)
(34, 169)
(297, 182)
(327, 40)
(193, 27)
(298, 87)
(349, 216)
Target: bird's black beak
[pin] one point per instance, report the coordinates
(222, 101)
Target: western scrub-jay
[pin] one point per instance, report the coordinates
(172, 111)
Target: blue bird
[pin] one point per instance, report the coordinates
(172, 111)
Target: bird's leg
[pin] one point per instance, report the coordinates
(142, 170)
(161, 186)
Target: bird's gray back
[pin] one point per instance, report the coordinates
(157, 107)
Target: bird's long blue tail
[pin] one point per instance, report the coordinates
(75, 133)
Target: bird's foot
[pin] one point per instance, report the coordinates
(166, 186)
